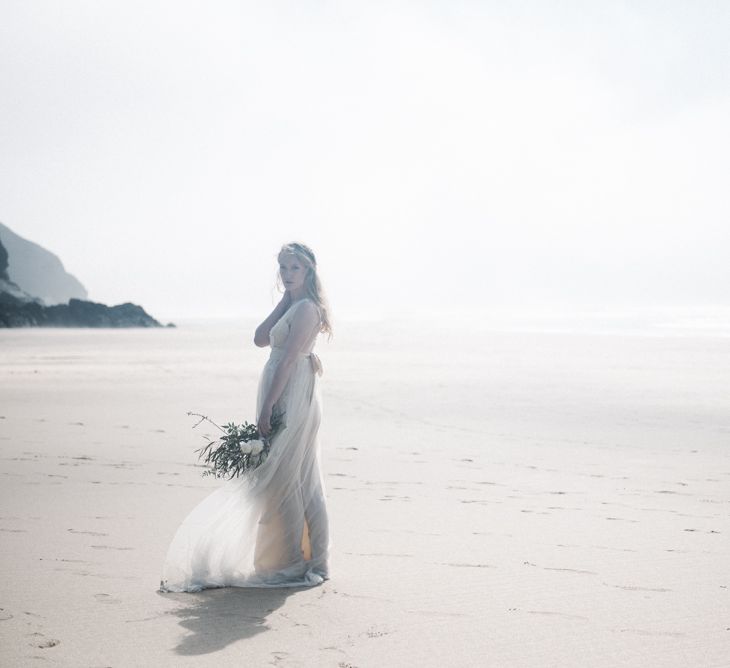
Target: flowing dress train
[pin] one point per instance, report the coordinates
(269, 528)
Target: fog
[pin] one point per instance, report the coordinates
(439, 157)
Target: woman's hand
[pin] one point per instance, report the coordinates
(264, 424)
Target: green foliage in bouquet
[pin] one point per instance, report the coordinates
(239, 450)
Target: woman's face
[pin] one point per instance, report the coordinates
(292, 271)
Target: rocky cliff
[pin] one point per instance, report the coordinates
(3, 263)
(37, 271)
(18, 308)
(8, 287)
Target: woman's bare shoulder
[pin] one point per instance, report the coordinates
(305, 314)
(306, 308)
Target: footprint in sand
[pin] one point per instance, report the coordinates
(107, 598)
(637, 588)
(279, 656)
(374, 632)
(39, 640)
(564, 570)
(463, 565)
(553, 613)
(658, 634)
(48, 642)
(88, 533)
(5, 615)
(109, 547)
(569, 570)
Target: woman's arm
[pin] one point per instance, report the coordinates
(303, 324)
(261, 337)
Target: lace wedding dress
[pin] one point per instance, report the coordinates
(268, 529)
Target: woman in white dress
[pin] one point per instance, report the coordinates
(270, 529)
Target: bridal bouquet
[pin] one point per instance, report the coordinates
(239, 450)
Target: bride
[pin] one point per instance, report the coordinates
(270, 529)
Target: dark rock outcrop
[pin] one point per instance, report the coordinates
(37, 271)
(15, 312)
(20, 309)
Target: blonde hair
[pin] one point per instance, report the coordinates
(312, 285)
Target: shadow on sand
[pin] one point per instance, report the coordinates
(218, 617)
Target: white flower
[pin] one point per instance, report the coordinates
(245, 448)
(256, 447)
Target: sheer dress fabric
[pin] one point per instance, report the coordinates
(269, 529)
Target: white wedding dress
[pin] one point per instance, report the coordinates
(270, 528)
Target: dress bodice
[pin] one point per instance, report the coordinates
(279, 333)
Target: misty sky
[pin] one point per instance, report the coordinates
(446, 155)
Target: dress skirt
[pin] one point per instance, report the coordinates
(268, 528)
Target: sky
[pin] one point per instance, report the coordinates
(446, 157)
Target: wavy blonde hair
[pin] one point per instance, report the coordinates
(312, 284)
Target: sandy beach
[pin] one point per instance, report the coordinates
(496, 498)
